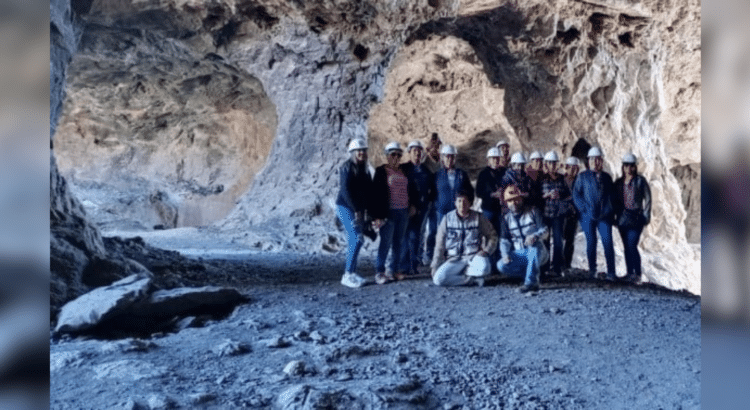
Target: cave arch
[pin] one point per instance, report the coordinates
(172, 140)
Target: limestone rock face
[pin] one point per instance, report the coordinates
(189, 135)
(308, 76)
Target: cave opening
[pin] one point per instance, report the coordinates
(161, 142)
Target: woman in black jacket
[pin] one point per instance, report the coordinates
(351, 206)
(632, 206)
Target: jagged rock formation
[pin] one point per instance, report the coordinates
(624, 75)
(187, 139)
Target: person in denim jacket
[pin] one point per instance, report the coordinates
(449, 180)
(592, 195)
(632, 203)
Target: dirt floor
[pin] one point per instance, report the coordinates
(303, 341)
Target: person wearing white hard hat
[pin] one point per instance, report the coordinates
(522, 237)
(632, 213)
(516, 176)
(489, 189)
(534, 166)
(534, 170)
(432, 161)
(464, 240)
(422, 184)
(556, 196)
(592, 194)
(352, 206)
(570, 228)
(449, 180)
(390, 209)
(504, 147)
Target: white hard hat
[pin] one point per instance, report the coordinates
(572, 161)
(357, 143)
(518, 158)
(595, 152)
(393, 146)
(479, 266)
(502, 142)
(448, 149)
(535, 155)
(414, 144)
(628, 158)
(493, 152)
(551, 157)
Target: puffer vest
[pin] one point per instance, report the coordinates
(462, 236)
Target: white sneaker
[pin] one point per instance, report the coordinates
(352, 280)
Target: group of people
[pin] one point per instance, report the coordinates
(422, 211)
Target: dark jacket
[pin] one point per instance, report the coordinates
(594, 200)
(489, 181)
(446, 197)
(381, 194)
(355, 187)
(642, 199)
(422, 184)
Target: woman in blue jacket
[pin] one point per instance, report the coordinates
(592, 194)
(351, 206)
(632, 203)
(449, 180)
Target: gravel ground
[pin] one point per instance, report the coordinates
(306, 342)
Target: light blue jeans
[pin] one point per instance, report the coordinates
(392, 236)
(354, 237)
(523, 263)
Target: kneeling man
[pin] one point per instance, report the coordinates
(464, 240)
(521, 241)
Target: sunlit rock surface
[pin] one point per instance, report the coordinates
(279, 87)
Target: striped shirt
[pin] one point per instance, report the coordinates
(397, 185)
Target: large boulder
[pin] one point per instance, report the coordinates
(102, 304)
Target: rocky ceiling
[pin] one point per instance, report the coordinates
(237, 113)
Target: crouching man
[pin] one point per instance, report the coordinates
(464, 240)
(521, 241)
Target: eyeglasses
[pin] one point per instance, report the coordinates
(395, 154)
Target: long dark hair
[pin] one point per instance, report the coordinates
(622, 169)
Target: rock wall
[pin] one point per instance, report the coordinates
(189, 134)
(621, 74)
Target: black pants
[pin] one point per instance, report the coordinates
(570, 228)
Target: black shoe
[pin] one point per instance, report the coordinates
(528, 288)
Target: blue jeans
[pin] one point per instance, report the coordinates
(555, 226)
(410, 252)
(630, 238)
(391, 238)
(354, 237)
(589, 228)
(523, 263)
